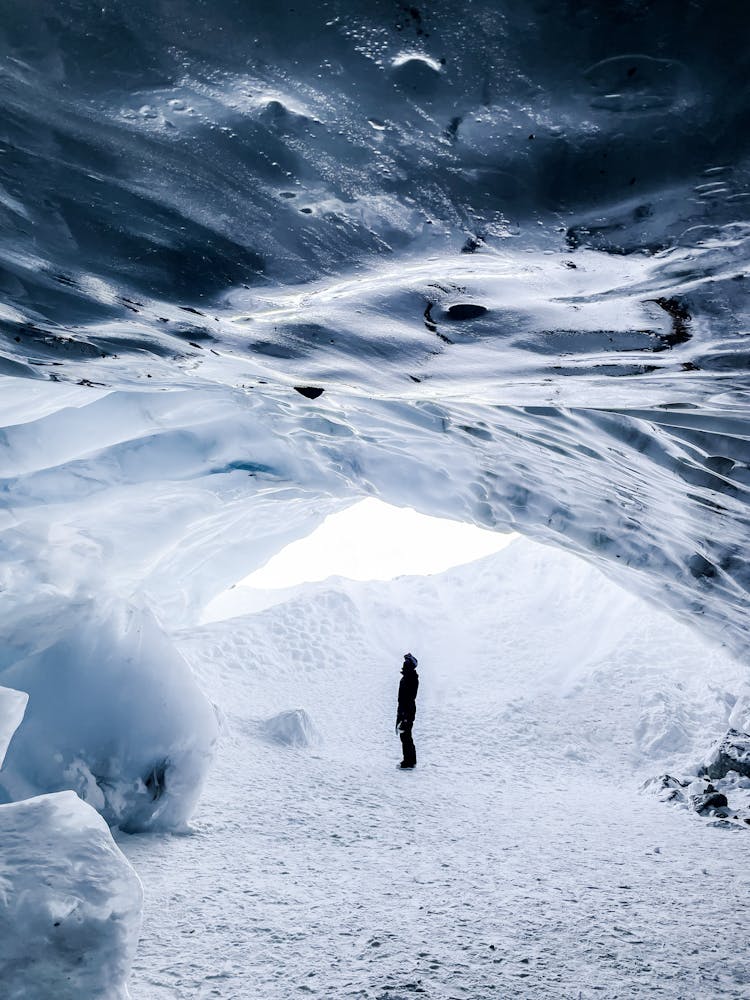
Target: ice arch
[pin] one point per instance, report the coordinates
(446, 261)
(176, 495)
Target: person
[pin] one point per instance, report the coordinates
(407, 709)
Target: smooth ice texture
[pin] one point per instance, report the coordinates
(12, 708)
(519, 859)
(113, 713)
(70, 904)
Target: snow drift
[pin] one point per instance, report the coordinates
(292, 728)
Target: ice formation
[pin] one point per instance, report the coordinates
(70, 903)
(501, 253)
(114, 713)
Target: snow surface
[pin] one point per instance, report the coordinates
(520, 858)
(70, 904)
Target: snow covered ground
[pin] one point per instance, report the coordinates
(519, 859)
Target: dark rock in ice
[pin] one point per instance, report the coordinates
(700, 567)
(309, 391)
(429, 322)
(680, 321)
(699, 795)
(732, 754)
(668, 781)
(156, 780)
(668, 788)
(466, 310)
(452, 129)
(709, 801)
(472, 244)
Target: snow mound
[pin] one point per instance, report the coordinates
(293, 728)
(12, 708)
(114, 714)
(70, 903)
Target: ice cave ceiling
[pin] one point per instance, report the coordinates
(509, 241)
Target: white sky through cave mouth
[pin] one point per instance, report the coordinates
(371, 540)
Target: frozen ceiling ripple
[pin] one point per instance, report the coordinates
(501, 253)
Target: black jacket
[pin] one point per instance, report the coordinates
(407, 694)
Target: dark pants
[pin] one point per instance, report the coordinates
(410, 753)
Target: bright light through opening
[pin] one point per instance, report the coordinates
(370, 540)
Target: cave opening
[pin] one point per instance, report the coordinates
(369, 540)
(548, 698)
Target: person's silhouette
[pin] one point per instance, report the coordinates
(407, 709)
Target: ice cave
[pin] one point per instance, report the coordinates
(265, 265)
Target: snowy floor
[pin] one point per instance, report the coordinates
(520, 859)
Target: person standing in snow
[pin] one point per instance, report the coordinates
(407, 709)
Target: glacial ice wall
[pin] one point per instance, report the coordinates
(508, 241)
(113, 713)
